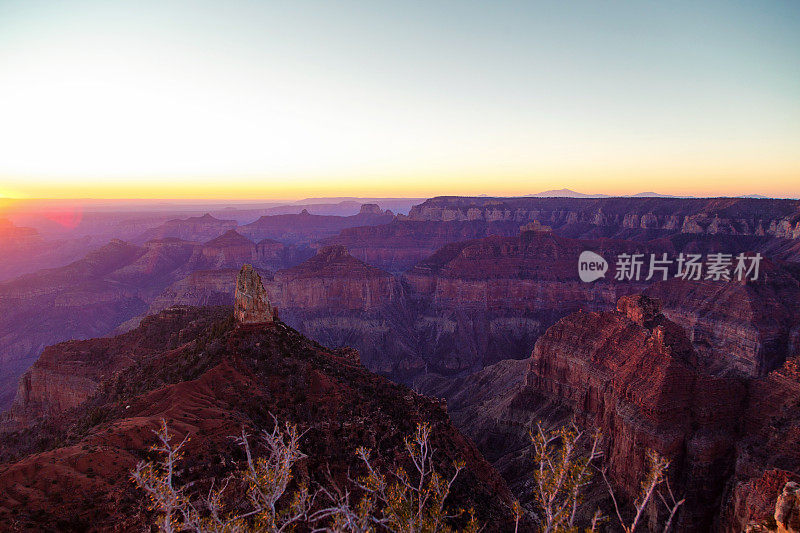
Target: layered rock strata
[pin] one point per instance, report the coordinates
(635, 376)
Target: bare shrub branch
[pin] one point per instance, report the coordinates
(561, 473)
(404, 502)
(656, 476)
(265, 480)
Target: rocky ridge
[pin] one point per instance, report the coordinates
(306, 228)
(635, 375)
(626, 217)
(112, 286)
(69, 471)
(194, 229)
(476, 302)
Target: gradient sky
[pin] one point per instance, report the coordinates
(171, 99)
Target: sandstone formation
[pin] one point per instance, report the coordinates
(113, 287)
(198, 289)
(232, 249)
(340, 301)
(492, 298)
(787, 509)
(195, 229)
(306, 228)
(704, 372)
(371, 209)
(635, 375)
(228, 248)
(738, 328)
(72, 472)
(251, 303)
(397, 246)
(475, 302)
(626, 217)
(640, 309)
(333, 279)
(68, 373)
(71, 302)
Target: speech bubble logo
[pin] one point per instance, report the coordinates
(591, 266)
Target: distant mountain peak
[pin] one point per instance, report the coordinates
(566, 193)
(334, 260)
(230, 238)
(650, 194)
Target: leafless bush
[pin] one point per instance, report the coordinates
(265, 478)
(400, 502)
(408, 502)
(655, 477)
(563, 470)
(561, 474)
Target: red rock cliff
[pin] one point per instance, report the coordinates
(333, 279)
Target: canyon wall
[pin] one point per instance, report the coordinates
(744, 328)
(68, 373)
(476, 302)
(634, 374)
(626, 217)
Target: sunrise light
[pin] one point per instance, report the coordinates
(269, 100)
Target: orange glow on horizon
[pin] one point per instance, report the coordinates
(776, 182)
(167, 101)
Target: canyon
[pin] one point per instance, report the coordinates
(26, 250)
(478, 301)
(107, 289)
(469, 305)
(634, 374)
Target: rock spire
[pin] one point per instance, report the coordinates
(251, 305)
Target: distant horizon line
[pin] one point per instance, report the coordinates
(555, 193)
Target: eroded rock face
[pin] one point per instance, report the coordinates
(740, 328)
(787, 509)
(397, 246)
(633, 374)
(68, 373)
(639, 308)
(734, 442)
(621, 217)
(306, 228)
(251, 304)
(196, 229)
(333, 280)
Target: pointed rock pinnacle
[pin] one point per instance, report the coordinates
(251, 305)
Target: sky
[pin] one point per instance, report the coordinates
(235, 99)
